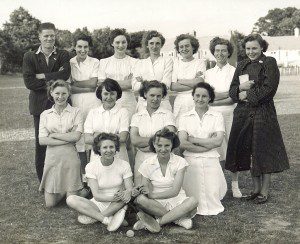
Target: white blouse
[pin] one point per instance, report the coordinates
(85, 70)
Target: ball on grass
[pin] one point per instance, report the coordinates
(130, 233)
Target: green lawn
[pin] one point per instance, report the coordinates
(24, 217)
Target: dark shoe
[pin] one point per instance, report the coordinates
(252, 196)
(261, 199)
(149, 222)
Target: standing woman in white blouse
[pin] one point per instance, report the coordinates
(84, 72)
(149, 120)
(201, 132)
(60, 128)
(155, 67)
(187, 72)
(119, 67)
(220, 78)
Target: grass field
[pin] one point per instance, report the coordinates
(24, 218)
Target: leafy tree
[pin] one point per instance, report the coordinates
(279, 22)
(102, 48)
(64, 39)
(237, 40)
(135, 47)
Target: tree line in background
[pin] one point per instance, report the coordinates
(20, 35)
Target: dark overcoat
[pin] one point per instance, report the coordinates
(255, 140)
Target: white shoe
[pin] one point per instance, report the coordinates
(139, 225)
(185, 223)
(86, 220)
(236, 192)
(117, 219)
(149, 222)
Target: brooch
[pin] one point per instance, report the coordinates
(260, 61)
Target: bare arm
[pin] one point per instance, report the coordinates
(48, 141)
(187, 145)
(91, 83)
(72, 136)
(211, 142)
(137, 140)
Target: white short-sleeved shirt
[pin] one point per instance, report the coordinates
(85, 70)
(69, 120)
(114, 121)
(212, 121)
(151, 170)
(187, 70)
(116, 68)
(220, 79)
(110, 178)
(160, 70)
(149, 125)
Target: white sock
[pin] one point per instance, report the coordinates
(105, 221)
(235, 184)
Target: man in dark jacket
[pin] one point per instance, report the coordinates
(40, 68)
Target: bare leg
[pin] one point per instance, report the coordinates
(150, 206)
(266, 180)
(52, 199)
(180, 211)
(256, 184)
(235, 185)
(113, 208)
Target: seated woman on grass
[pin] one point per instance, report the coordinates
(107, 176)
(161, 193)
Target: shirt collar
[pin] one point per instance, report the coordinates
(85, 62)
(114, 110)
(217, 68)
(54, 51)
(155, 159)
(158, 111)
(208, 112)
(67, 109)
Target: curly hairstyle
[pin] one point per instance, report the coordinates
(58, 83)
(194, 42)
(208, 87)
(102, 137)
(256, 37)
(220, 41)
(147, 85)
(109, 85)
(83, 37)
(118, 32)
(167, 134)
(149, 35)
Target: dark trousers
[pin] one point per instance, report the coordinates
(40, 151)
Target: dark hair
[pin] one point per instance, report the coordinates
(46, 26)
(167, 134)
(256, 37)
(147, 85)
(109, 85)
(194, 42)
(149, 35)
(105, 136)
(84, 37)
(118, 32)
(220, 41)
(58, 83)
(208, 87)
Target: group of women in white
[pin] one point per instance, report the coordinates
(164, 158)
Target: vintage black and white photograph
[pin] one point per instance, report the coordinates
(163, 121)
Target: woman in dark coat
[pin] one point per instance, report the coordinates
(255, 141)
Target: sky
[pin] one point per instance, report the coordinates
(170, 17)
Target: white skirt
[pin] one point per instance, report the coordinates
(204, 179)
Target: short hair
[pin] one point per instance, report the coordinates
(84, 37)
(46, 26)
(58, 83)
(167, 134)
(220, 41)
(149, 35)
(194, 42)
(208, 87)
(105, 136)
(256, 37)
(147, 85)
(109, 85)
(118, 32)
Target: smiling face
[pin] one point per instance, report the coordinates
(154, 45)
(109, 98)
(47, 38)
(107, 149)
(60, 95)
(253, 50)
(221, 53)
(185, 49)
(201, 98)
(163, 147)
(82, 48)
(154, 97)
(120, 44)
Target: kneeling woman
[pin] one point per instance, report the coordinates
(162, 195)
(107, 176)
(60, 128)
(201, 132)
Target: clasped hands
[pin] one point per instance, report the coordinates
(244, 87)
